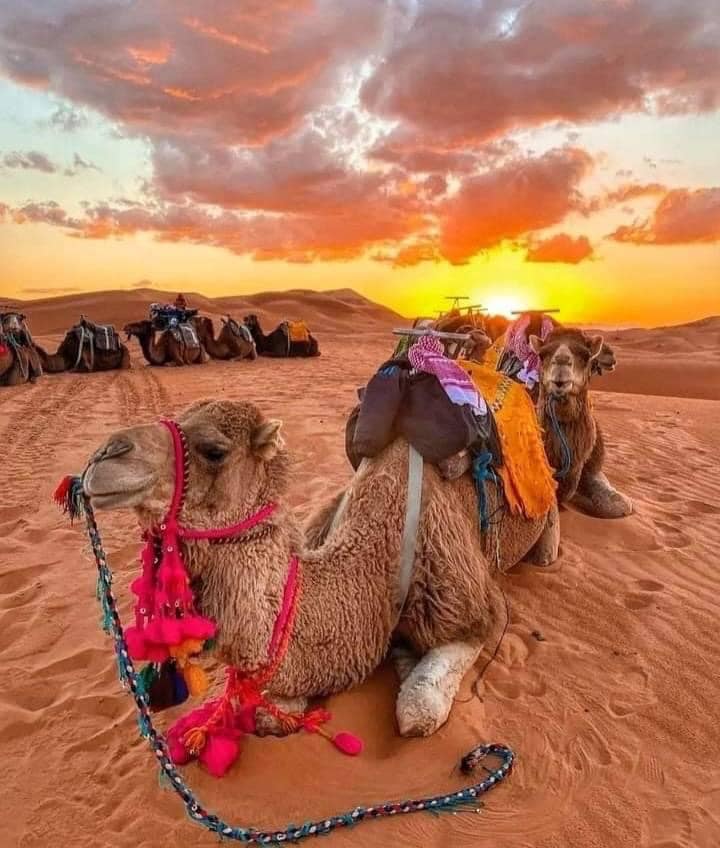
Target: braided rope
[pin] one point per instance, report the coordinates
(463, 798)
(566, 456)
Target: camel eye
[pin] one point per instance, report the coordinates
(212, 453)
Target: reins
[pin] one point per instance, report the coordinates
(76, 503)
(566, 456)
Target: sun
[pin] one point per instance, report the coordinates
(503, 304)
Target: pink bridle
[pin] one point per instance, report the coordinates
(165, 614)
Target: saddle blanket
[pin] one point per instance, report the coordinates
(297, 331)
(526, 473)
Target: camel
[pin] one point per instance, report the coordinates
(167, 350)
(347, 616)
(71, 356)
(234, 341)
(278, 343)
(19, 361)
(564, 412)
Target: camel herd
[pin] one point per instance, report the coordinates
(89, 346)
(351, 549)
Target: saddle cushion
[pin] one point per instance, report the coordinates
(186, 334)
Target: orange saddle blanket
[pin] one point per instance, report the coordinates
(526, 473)
(298, 331)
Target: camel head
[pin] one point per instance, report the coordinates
(236, 461)
(12, 322)
(137, 328)
(252, 322)
(567, 358)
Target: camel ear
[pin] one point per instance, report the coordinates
(596, 343)
(535, 344)
(267, 440)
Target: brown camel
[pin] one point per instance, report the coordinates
(347, 615)
(168, 349)
(19, 361)
(573, 440)
(234, 341)
(80, 350)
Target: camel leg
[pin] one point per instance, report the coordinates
(427, 693)
(546, 549)
(268, 725)
(595, 496)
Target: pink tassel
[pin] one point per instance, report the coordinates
(220, 752)
(347, 743)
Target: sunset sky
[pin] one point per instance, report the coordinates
(523, 152)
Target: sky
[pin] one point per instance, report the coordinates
(525, 153)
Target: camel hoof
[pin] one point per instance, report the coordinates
(618, 506)
(421, 709)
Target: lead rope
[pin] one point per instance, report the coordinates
(76, 504)
(565, 451)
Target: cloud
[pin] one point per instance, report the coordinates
(30, 161)
(505, 66)
(236, 73)
(560, 248)
(79, 164)
(68, 118)
(142, 284)
(522, 196)
(683, 216)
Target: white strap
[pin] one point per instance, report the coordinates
(412, 522)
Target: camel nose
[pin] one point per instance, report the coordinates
(561, 385)
(117, 446)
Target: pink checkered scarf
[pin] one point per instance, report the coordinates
(428, 355)
(516, 341)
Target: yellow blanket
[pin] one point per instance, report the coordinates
(526, 473)
(298, 331)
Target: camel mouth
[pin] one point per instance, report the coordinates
(106, 489)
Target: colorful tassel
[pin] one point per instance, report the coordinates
(347, 743)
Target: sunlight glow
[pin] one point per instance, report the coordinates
(503, 304)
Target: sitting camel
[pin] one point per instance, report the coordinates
(279, 342)
(572, 437)
(19, 361)
(168, 349)
(347, 614)
(82, 349)
(234, 341)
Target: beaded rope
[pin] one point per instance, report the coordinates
(463, 798)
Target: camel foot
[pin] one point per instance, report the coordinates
(598, 498)
(426, 696)
(268, 725)
(547, 547)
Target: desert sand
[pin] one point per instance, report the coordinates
(606, 684)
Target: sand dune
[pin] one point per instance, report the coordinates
(605, 684)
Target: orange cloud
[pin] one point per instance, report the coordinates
(682, 217)
(560, 248)
(524, 195)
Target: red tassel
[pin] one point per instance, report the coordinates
(61, 493)
(347, 743)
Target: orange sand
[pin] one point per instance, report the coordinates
(613, 713)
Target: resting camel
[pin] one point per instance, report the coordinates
(165, 350)
(563, 406)
(234, 341)
(346, 615)
(70, 356)
(19, 361)
(277, 343)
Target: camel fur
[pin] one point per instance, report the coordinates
(346, 618)
(276, 343)
(165, 350)
(567, 357)
(231, 343)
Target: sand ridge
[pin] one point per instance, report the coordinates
(605, 684)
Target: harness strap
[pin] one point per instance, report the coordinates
(412, 521)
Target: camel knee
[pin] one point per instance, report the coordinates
(597, 497)
(405, 660)
(427, 694)
(547, 547)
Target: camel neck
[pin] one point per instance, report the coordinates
(570, 410)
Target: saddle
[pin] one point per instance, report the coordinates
(239, 329)
(103, 336)
(185, 334)
(297, 331)
(177, 320)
